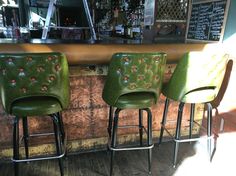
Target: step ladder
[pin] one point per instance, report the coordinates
(50, 12)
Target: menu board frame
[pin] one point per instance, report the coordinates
(208, 40)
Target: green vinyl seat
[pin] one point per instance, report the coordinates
(135, 100)
(134, 81)
(34, 106)
(34, 84)
(196, 79)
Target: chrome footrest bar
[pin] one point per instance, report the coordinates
(40, 134)
(44, 158)
(37, 135)
(131, 148)
(128, 126)
(191, 140)
(38, 159)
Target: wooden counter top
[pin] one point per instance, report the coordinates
(101, 52)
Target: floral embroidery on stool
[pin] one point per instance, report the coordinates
(13, 81)
(40, 69)
(29, 59)
(132, 86)
(52, 78)
(57, 67)
(33, 79)
(23, 90)
(126, 78)
(44, 88)
(126, 60)
(134, 68)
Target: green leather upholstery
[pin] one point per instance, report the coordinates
(35, 106)
(34, 83)
(134, 80)
(197, 77)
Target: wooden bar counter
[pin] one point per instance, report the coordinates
(87, 116)
(101, 52)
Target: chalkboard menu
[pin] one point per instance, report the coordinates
(207, 20)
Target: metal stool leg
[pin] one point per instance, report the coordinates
(141, 126)
(16, 145)
(178, 131)
(149, 139)
(58, 141)
(191, 120)
(61, 126)
(26, 136)
(113, 139)
(164, 120)
(109, 128)
(209, 128)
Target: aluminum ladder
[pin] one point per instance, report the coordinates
(50, 12)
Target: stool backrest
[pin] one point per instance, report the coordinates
(132, 73)
(25, 75)
(197, 77)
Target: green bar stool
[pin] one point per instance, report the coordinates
(35, 84)
(196, 79)
(134, 81)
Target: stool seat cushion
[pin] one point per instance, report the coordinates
(35, 106)
(135, 100)
(133, 78)
(202, 95)
(197, 77)
(25, 75)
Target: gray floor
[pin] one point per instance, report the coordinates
(192, 161)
